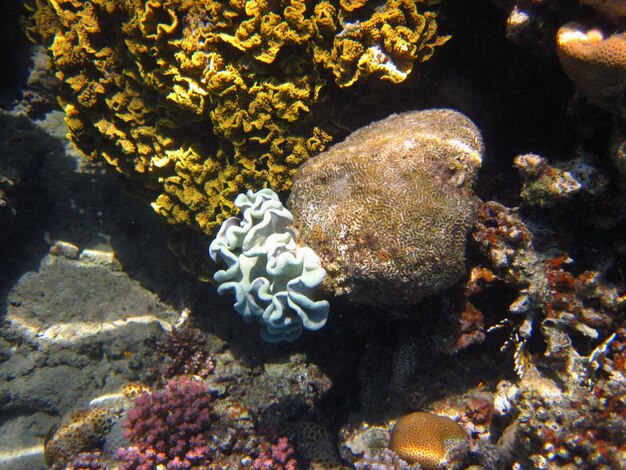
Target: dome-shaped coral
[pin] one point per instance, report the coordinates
(596, 65)
(388, 210)
(430, 440)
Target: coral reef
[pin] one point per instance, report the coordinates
(169, 427)
(571, 428)
(388, 210)
(272, 277)
(548, 295)
(429, 440)
(80, 431)
(196, 101)
(596, 64)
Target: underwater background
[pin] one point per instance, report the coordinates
(416, 207)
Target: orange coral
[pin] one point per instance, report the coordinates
(429, 440)
(596, 65)
(351, 5)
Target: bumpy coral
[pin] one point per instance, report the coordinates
(196, 101)
(280, 457)
(388, 210)
(81, 431)
(273, 278)
(430, 440)
(596, 65)
(182, 352)
(169, 427)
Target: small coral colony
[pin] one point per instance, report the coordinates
(232, 120)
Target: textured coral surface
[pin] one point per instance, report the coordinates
(197, 100)
(430, 440)
(388, 209)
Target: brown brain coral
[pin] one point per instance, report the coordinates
(432, 441)
(388, 210)
(197, 100)
(596, 65)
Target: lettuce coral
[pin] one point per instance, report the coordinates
(197, 100)
(273, 278)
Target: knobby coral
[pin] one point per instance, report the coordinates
(197, 100)
(273, 278)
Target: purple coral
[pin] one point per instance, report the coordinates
(87, 461)
(281, 457)
(182, 352)
(168, 427)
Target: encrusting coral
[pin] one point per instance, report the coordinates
(596, 64)
(388, 210)
(198, 100)
(430, 440)
(81, 431)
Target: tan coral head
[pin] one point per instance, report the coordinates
(596, 65)
(432, 441)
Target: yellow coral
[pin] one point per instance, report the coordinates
(385, 45)
(429, 440)
(198, 100)
(596, 65)
(80, 431)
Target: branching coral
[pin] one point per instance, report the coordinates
(169, 427)
(280, 457)
(196, 101)
(182, 352)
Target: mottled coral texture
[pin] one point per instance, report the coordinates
(81, 431)
(388, 209)
(196, 101)
(169, 427)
